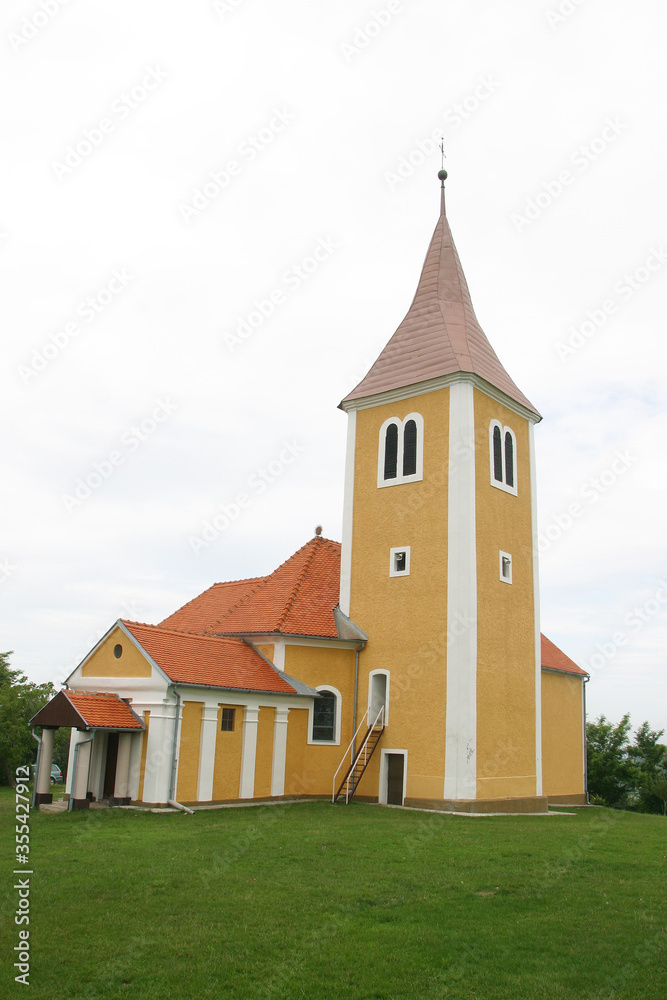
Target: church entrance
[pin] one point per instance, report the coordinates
(110, 769)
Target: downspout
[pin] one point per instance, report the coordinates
(70, 804)
(583, 691)
(356, 686)
(39, 754)
(172, 784)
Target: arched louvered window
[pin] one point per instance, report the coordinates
(401, 450)
(509, 459)
(410, 448)
(391, 452)
(324, 717)
(503, 457)
(497, 454)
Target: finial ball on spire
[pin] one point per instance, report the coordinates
(442, 174)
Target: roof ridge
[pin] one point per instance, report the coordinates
(177, 631)
(297, 587)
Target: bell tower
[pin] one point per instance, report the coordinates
(439, 559)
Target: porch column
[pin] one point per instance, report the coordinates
(80, 798)
(279, 752)
(249, 752)
(209, 732)
(43, 779)
(120, 792)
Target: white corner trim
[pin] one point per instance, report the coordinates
(392, 561)
(348, 515)
(337, 721)
(461, 713)
(536, 598)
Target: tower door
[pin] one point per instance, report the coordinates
(395, 774)
(378, 697)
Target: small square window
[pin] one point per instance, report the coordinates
(505, 567)
(399, 561)
(227, 720)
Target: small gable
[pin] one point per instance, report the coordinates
(116, 656)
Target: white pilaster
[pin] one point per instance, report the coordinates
(123, 766)
(209, 732)
(536, 598)
(82, 767)
(461, 716)
(348, 501)
(157, 776)
(279, 752)
(249, 752)
(136, 747)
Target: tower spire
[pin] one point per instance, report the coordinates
(442, 174)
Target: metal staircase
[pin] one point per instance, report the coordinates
(359, 761)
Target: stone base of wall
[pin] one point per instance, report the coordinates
(523, 804)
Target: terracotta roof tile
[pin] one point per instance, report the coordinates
(298, 598)
(103, 711)
(554, 658)
(199, 614)
(208, 660)
(440, 334)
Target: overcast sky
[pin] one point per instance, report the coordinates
(214, 216)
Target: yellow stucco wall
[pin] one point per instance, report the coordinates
(228, 747)
(144, 749)
(310, 769)
(264, 752)
(103, 663)
(562, 734)
(188, 756)
(266, 650)
(505, 617)
(405, 617)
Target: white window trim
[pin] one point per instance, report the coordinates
(399, 572)
(311, 711)
(384, 767)
(505, 579)
(494, 482)
(400, 424)
(373, 674)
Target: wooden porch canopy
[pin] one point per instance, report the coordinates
(88, 710)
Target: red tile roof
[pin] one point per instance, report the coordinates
(296, 599)
(554, 658)
(87, 710)
(201, 613)
(440, 334)
(208, 660)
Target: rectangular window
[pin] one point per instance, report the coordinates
(399, 561)
(505, 567)
(227, 720)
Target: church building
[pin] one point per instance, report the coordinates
(403, 665)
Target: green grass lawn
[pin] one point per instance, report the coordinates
(315, 901)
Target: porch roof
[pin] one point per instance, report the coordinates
(87, 710)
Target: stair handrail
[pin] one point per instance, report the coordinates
(354, 757)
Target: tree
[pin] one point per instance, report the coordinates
(611, 774)
(658, 788)
(20, 699)
(650, 760)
